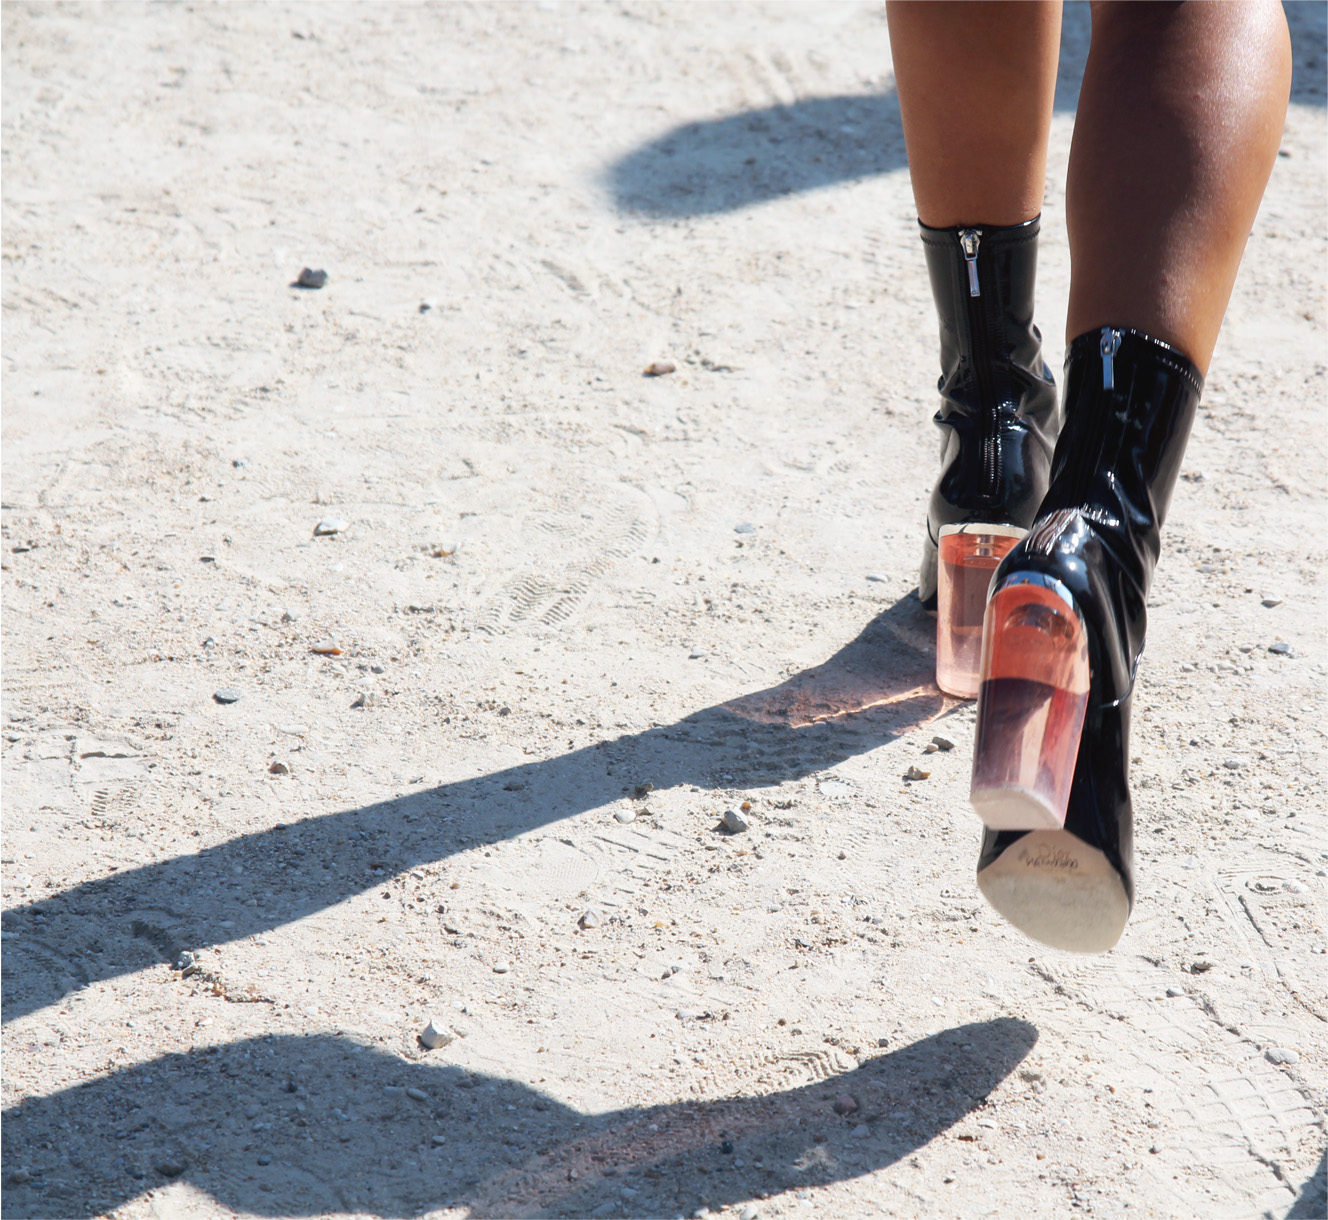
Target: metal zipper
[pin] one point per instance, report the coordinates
(1109, 346)
(969, 240)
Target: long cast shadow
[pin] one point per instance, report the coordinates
(295, 1126)
(875, 688)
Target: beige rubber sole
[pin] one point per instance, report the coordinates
(1055, 888)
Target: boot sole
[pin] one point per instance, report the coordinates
(1059, 891)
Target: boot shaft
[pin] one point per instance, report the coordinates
(982, 281)
(1130, 402)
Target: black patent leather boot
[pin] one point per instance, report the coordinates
(1063, 635)
(998, 423)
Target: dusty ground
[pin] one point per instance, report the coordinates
(560, 582)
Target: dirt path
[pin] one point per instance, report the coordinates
(571, 616)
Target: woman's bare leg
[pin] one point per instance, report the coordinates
(976, 82)
(1178, 127)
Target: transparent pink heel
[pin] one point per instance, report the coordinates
(1034, 692)
(968, 556)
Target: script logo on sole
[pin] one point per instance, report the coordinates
(1048, 856)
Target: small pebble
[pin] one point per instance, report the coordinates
(942, 743)
(227, 696)
(1172, 992)
(734, 822)
(425, 306)
(1200, 967)
(930, 748)
(590, 918)
(1279, 648)
(1270, 602)
(309, 278)
(328, 648)
(265, 1159)
(882, 1042)
(659, 368)
(439, 1140)
(876, 578)
(417, 1095)
(171, 1166)
(278, 768)
(1296, 887)
(844, 1104)
(19, 1177)
(696, 654)
(377, 669)
(745, 528)
(1281, 1054)
(914, 773)
(750, 1212)
(435, 1035)
(861, 1131)
(501, 967)
(625, 815)
(366, 699)
(330, 525)
(1233, 764)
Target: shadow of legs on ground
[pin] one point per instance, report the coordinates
(874, 689)
(295, 1126)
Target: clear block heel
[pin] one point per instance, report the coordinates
(1031, 703)
(968, 555)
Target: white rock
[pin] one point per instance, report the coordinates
(750, 1212)
(436, 1035)
(439, 1140)
(626, 815)
(1281, 1054)
(330, 525)
(501, 967)
(734, 822)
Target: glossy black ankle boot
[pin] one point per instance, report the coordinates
(998, 422)
(1063, 634)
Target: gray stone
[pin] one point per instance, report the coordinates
(590, 918)
(861, 1131)
(745, 528)
(734, 822)
(1281, 1054)
(309, 278)
(330, 525)
(750, 1212)
(417, 1094)
(625, 815)
(942, 743)
(1280, 649)
(501, 967)
(435, 1035)
(226, 695)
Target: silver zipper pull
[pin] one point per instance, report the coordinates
(969, 238)
(1109, 347)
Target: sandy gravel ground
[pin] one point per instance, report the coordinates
(580, 613)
